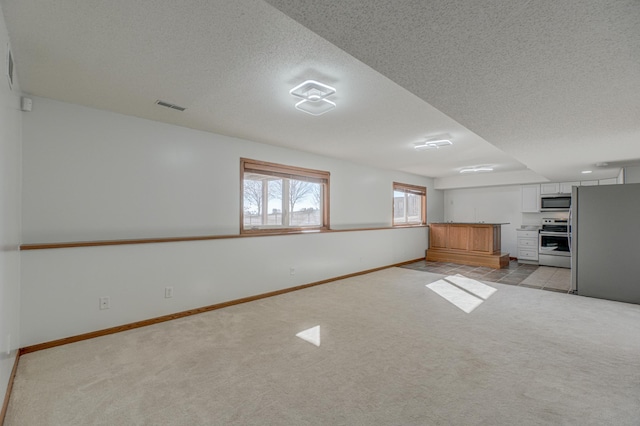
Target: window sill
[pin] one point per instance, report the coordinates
(270, 233)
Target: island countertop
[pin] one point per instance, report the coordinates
(470, 243)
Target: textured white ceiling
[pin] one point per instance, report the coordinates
(551, 86)
(555, 84)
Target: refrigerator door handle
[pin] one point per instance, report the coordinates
(569, 227)
(573, 251)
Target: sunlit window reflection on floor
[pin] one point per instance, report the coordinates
(311, 335)
(465, 293)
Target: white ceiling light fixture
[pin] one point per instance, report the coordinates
(314, 97)
(586, 172)
(312, 90)
(477, 169)
(318, 107)
(436, 144)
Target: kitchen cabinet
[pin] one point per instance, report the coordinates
(530, 198)
(527, 246)
(458, 237)
(611, 181)
(557, 188)
(438, 236)
(549, 188)
(565, 187)
(476, 244)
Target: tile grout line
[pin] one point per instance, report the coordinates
(480, 273)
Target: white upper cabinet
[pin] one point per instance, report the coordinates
(557, 188)
(549, 188)
(611, 181)
(530, 198)
(565, 187)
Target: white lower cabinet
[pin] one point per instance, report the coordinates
(527, 246)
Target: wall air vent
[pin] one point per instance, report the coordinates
(170, 105)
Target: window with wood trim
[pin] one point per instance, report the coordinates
(409, 204)
(277, 198)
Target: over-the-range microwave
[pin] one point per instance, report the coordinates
(555, 203)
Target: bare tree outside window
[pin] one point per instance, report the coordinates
(298, 191)
(317, 196)
(278, 196)
(253, 195)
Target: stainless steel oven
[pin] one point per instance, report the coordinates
(553, 243)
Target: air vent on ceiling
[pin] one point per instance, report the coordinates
(170, 105)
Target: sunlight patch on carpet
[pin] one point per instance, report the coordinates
(474, 287)
(311, 335)
(465, 293)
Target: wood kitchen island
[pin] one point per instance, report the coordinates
(476, 244)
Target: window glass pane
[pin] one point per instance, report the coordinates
(275, 201)
(398, 207)
(408, 204)
(413, 208)
(253, 204)
(303, 204)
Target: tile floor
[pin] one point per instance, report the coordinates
(525, 275)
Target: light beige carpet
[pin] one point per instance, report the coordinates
(391, 352)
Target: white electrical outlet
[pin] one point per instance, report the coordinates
(105, 303)
(168, 292)
(292, 271)
(8, 344)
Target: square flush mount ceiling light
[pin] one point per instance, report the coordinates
(477, 169)
(432, 144)
(315, 107)
(314, 97)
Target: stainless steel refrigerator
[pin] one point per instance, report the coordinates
(605, 242)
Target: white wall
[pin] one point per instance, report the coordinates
(61, 287)
(435, 205)
(9, 218)
(480, 180)
(93, 175)
(96, 175)
(497, 204)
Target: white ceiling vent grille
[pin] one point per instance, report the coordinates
(170, 105)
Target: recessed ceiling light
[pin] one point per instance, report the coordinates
(476, 169)
(432, 144)
(584, 172)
